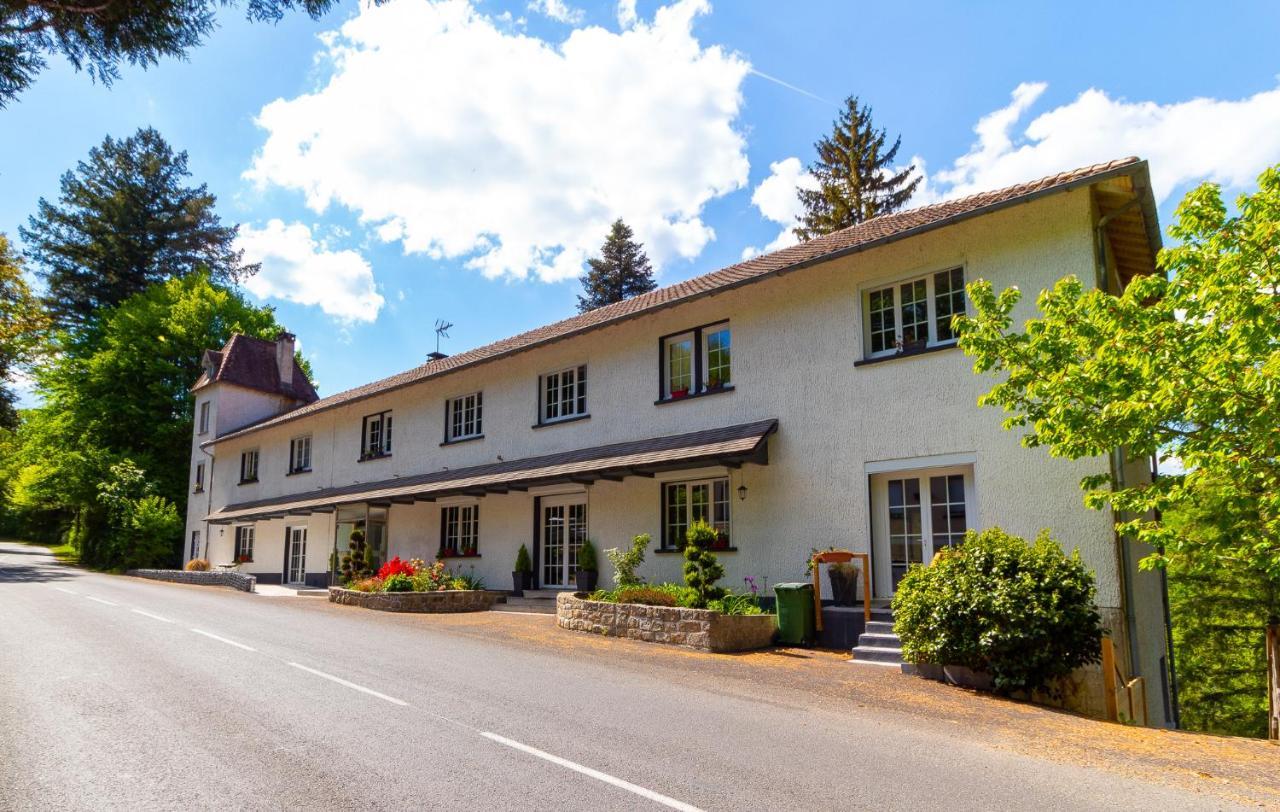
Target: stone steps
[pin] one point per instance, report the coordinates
(878, 645)
(540, 606)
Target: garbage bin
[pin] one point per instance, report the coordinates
(795, 614)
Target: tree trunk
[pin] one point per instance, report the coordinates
(1273, 681)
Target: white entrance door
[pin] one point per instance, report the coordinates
(295, 555)
(918, 513)
(564, 528)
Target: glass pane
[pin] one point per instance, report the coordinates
(882, 320)
(718, 358)
(915, 315)
(679, 366)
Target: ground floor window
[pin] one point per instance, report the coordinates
(684, 503)
(195, 544)
(460, 530)
(244, 544)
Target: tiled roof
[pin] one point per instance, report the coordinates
(251, 362)
(876, 231)
(736, 444)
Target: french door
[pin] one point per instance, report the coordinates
(564, 528)
(295, 555)
(919, 514)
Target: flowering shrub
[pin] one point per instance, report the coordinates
(244, 559)
(366, 585)
(431, 578)
(396, 567)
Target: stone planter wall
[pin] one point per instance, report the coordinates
(696, 628)
(459, 600)
(235, 580)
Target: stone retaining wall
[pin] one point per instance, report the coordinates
(696, 628)
(451, 600)
(235, 580)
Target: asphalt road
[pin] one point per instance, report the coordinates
(117, 693)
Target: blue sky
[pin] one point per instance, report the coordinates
(423, 160)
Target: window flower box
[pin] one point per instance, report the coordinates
(677, 394)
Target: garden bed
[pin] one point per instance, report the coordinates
(695, 628)
(438, 602)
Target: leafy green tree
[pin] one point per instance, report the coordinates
(144, 530)
(855, 174)
(23, 327)
(126, 218)
(100, 35)
(621, 271)
(1184, 362)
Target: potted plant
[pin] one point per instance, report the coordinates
(522, 575)
(588, 570)
(844, 583)
(721, 542)
(676, 394)
(714, 383)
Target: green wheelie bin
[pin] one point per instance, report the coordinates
(795, 614)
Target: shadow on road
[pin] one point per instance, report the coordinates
(30, 565)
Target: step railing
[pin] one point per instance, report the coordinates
(840, 557)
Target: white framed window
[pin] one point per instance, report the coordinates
(199, 485)
(913, 314)
(249, 466)
(696, 361)
(463, 417)
(563, 394)
(300, 454)
(203, 422)
(195, 544)
(684, 503)
(244, 544)
(459, 530)
(375, 435)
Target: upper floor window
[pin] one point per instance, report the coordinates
(684, 503)
(696, 362)
(300, 454)
(563, 394)
(912, 315)
(249, 466)
(203, 423)
(460, 530)
(244, 544)
(199, 486)
(463, 417)
(376, 436)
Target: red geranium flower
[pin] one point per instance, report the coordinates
(396, 567)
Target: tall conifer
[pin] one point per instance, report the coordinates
(621, 271)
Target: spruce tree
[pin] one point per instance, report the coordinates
(125, 218)
(621, 271)
(855, 175)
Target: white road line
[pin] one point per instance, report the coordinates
(213, 636)
(351, 685)
(596, 774)
(100, 600)
(153, 617)
(68, 591)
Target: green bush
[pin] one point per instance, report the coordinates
(357, 562)
(679, 594)
(735, 604)
(466, 580)
(398, 583)
(1023, 613)
(701, 569)
(625, 563)
(646, 595)
(523, 563)
(587, 557)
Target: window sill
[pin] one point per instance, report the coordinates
(369, 457)
(299, 471)
(901, 355)
(442, 556)
(680, 550)
(459, 440)
(546, 423)
(253, 481)
(695, 395)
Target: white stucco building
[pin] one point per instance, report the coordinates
(801, 399)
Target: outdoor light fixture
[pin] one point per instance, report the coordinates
(742, 493)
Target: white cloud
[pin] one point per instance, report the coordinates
(462, 140)
(296, 268)
(558, 10)
(1226, 141)
(777, 200)
(626, 13)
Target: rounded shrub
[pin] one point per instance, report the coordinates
(397, 582)
(1024, 613)
(197, 565)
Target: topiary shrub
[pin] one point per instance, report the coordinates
(625, 563)
(197, 565)
(356, 563)
(587, 557)
(701, 569)
(523, 562)
(646, 596)
(1024, 613)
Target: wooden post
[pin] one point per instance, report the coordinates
(1109, 679)
(817, 592)
(1273, 682)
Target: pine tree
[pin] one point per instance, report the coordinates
(855, 176)
(621, 271)
(123, 220)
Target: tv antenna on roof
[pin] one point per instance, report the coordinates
(442, 331)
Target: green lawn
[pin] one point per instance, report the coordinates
(65, 553)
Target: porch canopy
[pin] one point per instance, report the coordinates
(730, 446)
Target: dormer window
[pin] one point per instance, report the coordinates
(376, 436)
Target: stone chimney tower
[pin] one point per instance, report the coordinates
(285, 343)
